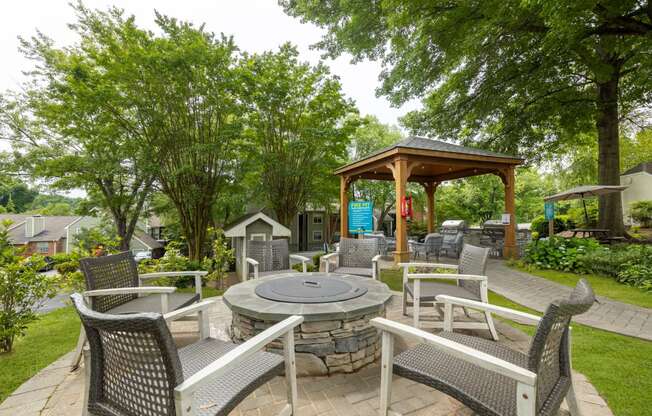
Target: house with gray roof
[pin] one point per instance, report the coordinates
(49, 235)
(638, 181)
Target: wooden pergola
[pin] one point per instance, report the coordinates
(429, 162)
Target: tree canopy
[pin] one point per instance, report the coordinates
(514, 76)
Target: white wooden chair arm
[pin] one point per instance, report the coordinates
(500, 310)
(376, 258)
(447, 276)
(431, 265)
(326, 259)
(253, 263)
(130, 290)
(463, 352)
(233, 358)
(188, 310)
(299, 258)
(198, 274)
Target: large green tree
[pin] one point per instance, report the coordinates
(514, 75)
(298, 128)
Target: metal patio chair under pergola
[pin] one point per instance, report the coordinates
(429, 162)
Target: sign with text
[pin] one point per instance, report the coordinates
(361, 219)
(549, 209)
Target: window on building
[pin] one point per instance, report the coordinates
(258, 236)
(317, 235)
(317, 219)
(43, 247)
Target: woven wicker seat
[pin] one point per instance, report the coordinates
(430, 291)
(134, 367)
(355, 256)
(114, 286)
(471, 284)
(489, 378)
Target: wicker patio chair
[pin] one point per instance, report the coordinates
(471, 284)
(489, 378)
(134, 367)
(431, 245)
(271, 257)
(452, 244)
(356, 257)
(382, 242)
(113, 286)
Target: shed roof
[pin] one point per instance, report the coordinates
(641, 167)
(238, 228)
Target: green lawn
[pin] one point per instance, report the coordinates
(618, 366)
(602, 285)
(207, 292)
(47, 339)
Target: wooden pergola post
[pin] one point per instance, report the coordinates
(509, 247)
(344, 206)
(401, 175)
(431, 188)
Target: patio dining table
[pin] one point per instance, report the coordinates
(597, 233)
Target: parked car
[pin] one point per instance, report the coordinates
(142, 255)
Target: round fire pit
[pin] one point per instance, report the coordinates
(336, 335)
(313, 289)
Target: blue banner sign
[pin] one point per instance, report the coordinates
(549, 210)
(361, 218)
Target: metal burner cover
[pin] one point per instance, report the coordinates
(310, 289)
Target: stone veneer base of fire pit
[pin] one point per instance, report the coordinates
(335, 337)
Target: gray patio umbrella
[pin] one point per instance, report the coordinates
(581, 192)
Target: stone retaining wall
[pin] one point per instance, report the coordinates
(322, 347)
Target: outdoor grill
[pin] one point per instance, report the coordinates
(453, 226)
(313, 289)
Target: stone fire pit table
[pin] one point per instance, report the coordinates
(336, 335)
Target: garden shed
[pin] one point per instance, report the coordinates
(252, 226)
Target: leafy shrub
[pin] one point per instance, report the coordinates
(638, 275)
(642, 212)
(417, 229)
(316, 259)
(561, 223)
(612, 261)
(299, 267)
(22, 290)
(560, 253)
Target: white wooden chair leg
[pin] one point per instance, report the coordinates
(571, 400)
(490, 324)
(87, 379)
(416, 307)
(386, 372)
(290, 371)
(525, 400)
(448, 317)
(77, 356)
(204, 324)
(405, 301)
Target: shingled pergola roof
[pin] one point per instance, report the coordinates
(429, 162)
(440, 161)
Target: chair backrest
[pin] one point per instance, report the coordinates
(270, 255)
(358, 253)
(110, 272)
(433, 242)
(549, 355)
(382, 242)
(473, 260)
(135, 365)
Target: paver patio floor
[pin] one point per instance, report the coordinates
(57, 392)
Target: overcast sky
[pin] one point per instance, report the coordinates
(257, 25)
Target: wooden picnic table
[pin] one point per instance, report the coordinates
(597, 233)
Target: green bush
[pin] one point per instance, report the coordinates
(317, 258)
(309, 267)
(417, 229)
(22, 290)
(561, 223)
(560, 253)
(638, 275)
(642, 212)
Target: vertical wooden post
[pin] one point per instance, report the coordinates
(509, 248)
(344, 207)
(400, 178)
(431, 188)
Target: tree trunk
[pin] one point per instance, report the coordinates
(611, 209)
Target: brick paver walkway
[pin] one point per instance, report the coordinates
(57, 392)
(536, 293)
